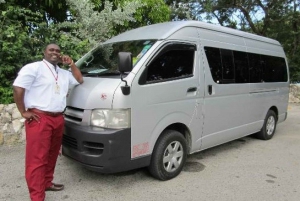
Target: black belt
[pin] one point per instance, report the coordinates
(53, 114)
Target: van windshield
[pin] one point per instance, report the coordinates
(103, 60)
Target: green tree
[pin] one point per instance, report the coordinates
(113, 17)
(181, 10)
(52, 11)
(98, 26)
(151, 12)
(277, 19)
(76, 25)
(288, 33)
(21, 44)
(16, 47)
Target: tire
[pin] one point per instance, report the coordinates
(169, 155)
(269, 127)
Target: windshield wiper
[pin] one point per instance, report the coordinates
(110, 73)
(99, 74)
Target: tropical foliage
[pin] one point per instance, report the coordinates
(26, 26)
(76, 25)
(277, 19)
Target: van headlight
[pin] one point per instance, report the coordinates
(119, 118)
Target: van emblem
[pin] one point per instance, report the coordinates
(103, 96)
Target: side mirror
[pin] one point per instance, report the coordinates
(125, 65)
(125, 62)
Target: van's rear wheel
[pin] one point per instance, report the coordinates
(269, 126)
(169, 155)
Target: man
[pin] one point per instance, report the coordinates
(40, 91)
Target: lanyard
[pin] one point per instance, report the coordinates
(56, 78)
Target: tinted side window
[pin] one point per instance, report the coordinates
(214, 60)
(256, 66)
(170, 65)
(241, 67)
(221, 64)
(274, 69)
(227, 66)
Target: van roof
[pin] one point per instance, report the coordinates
(164, 30)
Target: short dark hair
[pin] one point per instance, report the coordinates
(51, 43)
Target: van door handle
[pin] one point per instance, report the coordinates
(192, 89)
(209, 88)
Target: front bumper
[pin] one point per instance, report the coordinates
(101, 150)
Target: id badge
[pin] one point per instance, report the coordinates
(56, 89)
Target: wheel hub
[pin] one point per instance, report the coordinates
(173, 156)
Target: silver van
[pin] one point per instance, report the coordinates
(155, 94)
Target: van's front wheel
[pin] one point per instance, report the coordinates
(169, 155)
(269, 126)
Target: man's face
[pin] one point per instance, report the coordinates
(52, 54)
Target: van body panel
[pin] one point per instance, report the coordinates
(265, 48)
(185, 34)
(216, 36)
(266, 95)
(94, 93)
(157, 109)
(159, 32)
(221, 123)
(159, 114)
(218, 106)
(165, 30)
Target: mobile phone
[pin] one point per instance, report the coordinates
(64, 59)
(60, 60)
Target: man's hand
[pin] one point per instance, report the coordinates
(66, 60)
(29, 116)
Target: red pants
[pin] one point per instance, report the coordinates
(43, 142)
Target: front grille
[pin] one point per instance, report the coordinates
(93, 148)
(69, 141)
(74, 115)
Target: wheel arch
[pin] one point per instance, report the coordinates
(168, 123)
(269, 126)
(184, 130)
(275, 109)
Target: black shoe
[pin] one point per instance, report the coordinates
(55, 187)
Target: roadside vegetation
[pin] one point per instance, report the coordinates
(26, 26)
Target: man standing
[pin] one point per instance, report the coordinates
(40, 91)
